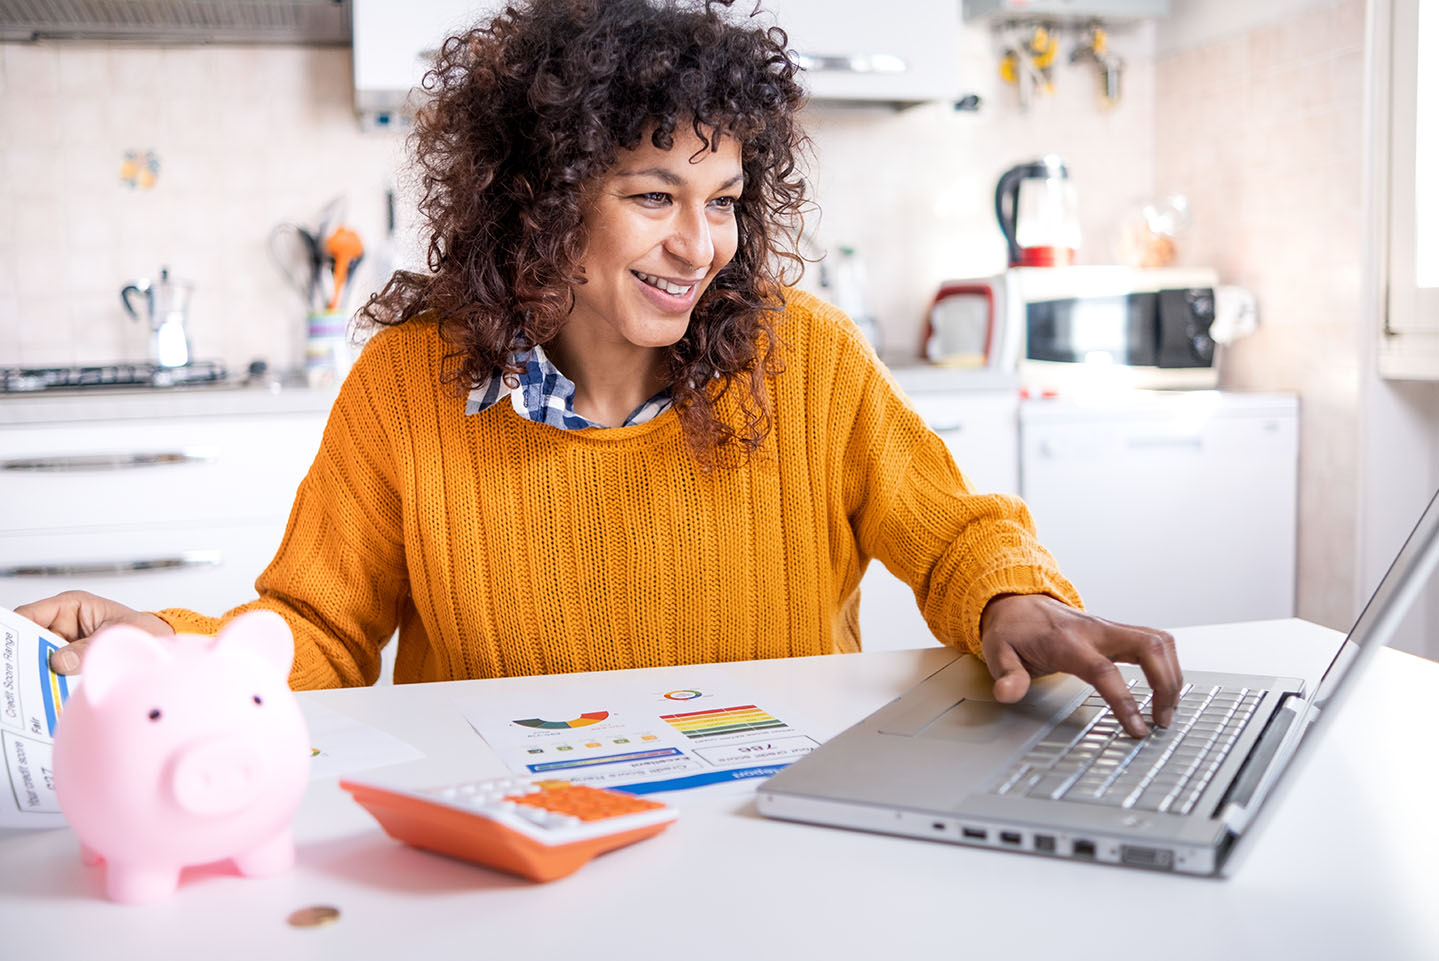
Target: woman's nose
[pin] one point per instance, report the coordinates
(691, 240)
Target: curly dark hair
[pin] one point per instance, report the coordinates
(528, 110)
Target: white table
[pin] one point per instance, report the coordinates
(1345, 866)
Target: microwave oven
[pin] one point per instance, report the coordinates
(1101, 326)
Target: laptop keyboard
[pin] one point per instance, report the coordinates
(1087, 757)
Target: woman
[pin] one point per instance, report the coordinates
(600, 434)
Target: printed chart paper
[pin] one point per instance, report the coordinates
(32, 698)
(642, 734)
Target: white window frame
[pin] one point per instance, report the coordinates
(1409, 348)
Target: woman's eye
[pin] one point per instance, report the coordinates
(653, 199)
(725, 203)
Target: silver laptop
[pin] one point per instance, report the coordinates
(1056, 775)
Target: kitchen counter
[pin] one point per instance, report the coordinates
(915, 377)
(91, 405)
(98, 404)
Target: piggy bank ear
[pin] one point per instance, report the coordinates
(262, 634)
(116, 654)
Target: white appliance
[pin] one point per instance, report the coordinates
(909, 54)
(1084, 327)
(1168, 509)
(1112, 11)
(1038, 213)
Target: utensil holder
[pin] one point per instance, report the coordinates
(328, 354)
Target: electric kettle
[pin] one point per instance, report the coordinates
(164, 305)
(1036, 207)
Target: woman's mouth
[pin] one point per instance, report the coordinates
(668, 286)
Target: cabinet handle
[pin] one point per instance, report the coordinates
(188, 559)
(84, 462)
(851, 63)
(1161, 441)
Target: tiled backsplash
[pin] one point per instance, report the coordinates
(1263, 130)
(244, 138)
(249, 137)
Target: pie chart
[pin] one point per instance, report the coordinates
(584, 720)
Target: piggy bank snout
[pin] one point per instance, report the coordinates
(218, 776)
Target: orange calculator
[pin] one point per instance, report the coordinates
(537, 828)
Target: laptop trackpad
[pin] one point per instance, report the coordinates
(961, 706)
(981, 721)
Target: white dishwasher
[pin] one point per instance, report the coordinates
(1168, 508)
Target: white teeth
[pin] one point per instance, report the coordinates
(665, 285)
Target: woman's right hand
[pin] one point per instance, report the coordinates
(78, 615)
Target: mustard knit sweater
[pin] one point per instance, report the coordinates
(502, 547)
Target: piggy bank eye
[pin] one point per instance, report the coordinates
(154, 714)
(257, 700)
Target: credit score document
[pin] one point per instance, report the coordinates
(665, 730)
(32, 698)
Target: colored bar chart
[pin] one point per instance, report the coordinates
(724, 720)
(54, 688)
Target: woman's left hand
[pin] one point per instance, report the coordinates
(1030, 635)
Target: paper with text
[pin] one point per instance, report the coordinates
(32, 698)
(642, 733)
(343, 745)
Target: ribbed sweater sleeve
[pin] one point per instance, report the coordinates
(339, 576)
(913, 510)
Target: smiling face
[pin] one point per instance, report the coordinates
(658, 228)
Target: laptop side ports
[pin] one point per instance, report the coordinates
(1146, 857)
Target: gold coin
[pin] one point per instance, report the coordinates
(315, 916)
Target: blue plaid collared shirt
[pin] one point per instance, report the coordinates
(546, 396)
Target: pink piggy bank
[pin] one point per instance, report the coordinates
(183, 751)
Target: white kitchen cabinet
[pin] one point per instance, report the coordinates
(153, 511)
(394, 44)
(1164, 508)
(980, 427)
(1168, 509)
(208, 568)
(907, 53)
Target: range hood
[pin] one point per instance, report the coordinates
(309, 22)
(1065, 11)
(906, 54)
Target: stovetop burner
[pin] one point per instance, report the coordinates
(16, 380)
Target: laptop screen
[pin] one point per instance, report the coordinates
(1381, 617)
